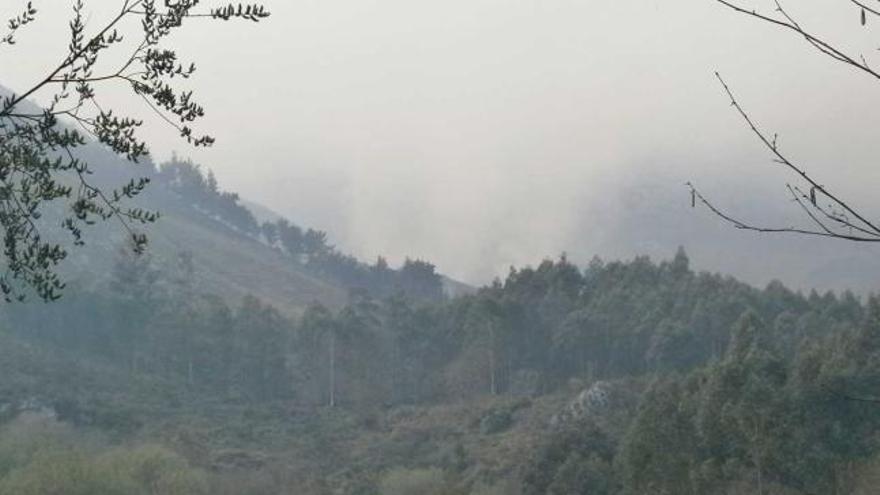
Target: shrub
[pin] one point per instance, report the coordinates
(155, 470)
(67, 472)
(495, 421)
(401, 481)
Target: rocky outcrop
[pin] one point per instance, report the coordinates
(592, 401)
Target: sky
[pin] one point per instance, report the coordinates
(481, 134)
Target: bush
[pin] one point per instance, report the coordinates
(67, 472)
(29, 435)
(401, 481)
(495, 421)
(39, 455)
(154, 470)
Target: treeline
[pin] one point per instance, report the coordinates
(762, 418)
(759, 421)
(759, 391)
(529, 334)
(306, 247)
(150, 319)
(201, 189)
(739, 391)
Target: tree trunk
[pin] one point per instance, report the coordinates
(332, 370)
(492, 385)
(492, 388)
(508, 378)
(757, 455)
(398, 388)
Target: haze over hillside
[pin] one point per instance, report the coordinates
(480, 134)
(470, 247)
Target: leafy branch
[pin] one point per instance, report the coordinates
(27, 16)
(38, 163)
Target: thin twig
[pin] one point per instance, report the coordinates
(783, 160)
(790, 230)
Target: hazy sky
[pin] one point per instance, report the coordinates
(484, 133)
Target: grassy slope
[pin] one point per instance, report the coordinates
(232, 265)
(227, 263)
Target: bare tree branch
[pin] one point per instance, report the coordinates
(699, 198)
(788, 23)
(838, 210)
(865, 8)
(831, 214)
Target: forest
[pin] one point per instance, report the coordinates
(480, 281)
(621, 377)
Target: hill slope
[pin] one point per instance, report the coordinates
(557, 380)
(227, 262)
(233, 247)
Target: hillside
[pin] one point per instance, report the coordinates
(226, 262)
(228, 248)
(235, 248)
(557, 380)
(244, 353)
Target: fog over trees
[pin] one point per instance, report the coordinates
(496, 249)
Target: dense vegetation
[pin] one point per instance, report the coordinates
(619, 378)
(692, 382)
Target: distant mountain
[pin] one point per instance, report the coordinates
(653, 216)
(236, 247)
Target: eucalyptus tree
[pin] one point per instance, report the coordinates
(262, 340)
(317, 350)
(657, 454)
(39, 164)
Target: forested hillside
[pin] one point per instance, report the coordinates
(162, 335)
(617, 378)
(229, 253)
